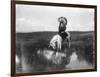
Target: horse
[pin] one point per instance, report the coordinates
(56, 41)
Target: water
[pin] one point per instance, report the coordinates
(75, 63)
(51, 62)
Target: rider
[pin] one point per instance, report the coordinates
(62, 29)
(61, 33)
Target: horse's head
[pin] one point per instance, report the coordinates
(55, 42)
(52, 45)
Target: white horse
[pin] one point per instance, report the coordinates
(56, 42)
(57, 39)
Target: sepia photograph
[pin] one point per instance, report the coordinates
(51, 38)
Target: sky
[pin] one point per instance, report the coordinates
(33, 18)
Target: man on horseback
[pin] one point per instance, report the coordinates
(56, 41)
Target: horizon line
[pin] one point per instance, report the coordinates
(54, 31)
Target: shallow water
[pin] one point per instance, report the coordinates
(51, 62)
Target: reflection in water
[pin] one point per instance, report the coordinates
(18, 64)
(49, 55)
(46, 61)
(76, 64)
(17, 60)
